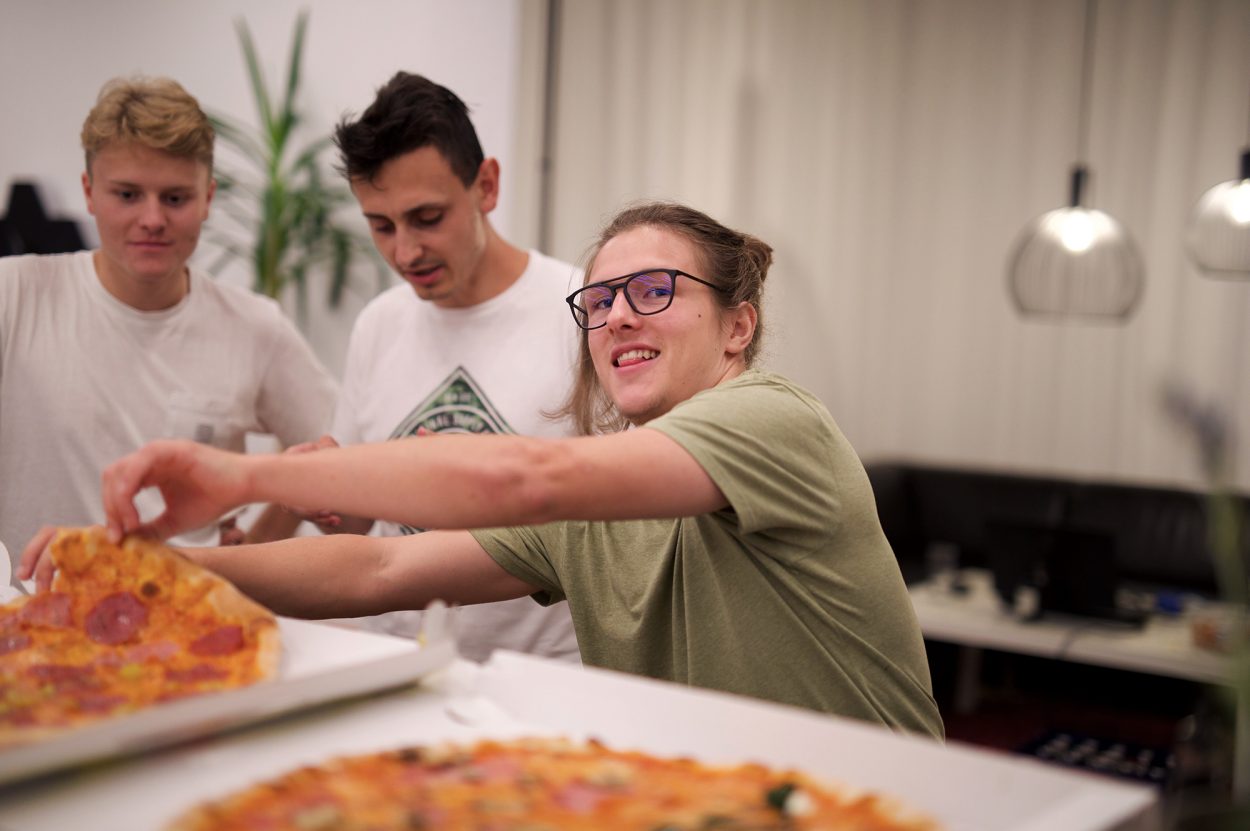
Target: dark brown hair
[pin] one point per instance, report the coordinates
(408, 113)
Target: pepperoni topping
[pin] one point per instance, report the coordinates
(47, 609)
(224, 640)
(116, 619)
(64, 676)
(157, 651)
(59, 672)
(13, 642)
(197, 673)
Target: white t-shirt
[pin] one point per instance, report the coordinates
(490, 368)
(86, 379)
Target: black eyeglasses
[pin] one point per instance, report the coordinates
(647, 292)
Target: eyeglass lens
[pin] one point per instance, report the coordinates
(648, 293)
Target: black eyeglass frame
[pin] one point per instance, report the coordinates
(618, 284)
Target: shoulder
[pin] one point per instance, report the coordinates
(396, 300)
(218, 298)
(43, 266)
(42, 275)
(542, 268)
(757, 391)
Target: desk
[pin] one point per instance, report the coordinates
(964, 788)
(978, 619)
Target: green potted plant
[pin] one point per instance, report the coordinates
(281, 212)
(1226, 730)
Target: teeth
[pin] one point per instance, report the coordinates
(636, 355)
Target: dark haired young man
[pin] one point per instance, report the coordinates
(478, 341)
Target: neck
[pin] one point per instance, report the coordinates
(161, 293)
(501, 265)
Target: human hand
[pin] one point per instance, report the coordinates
(36, 559)
(327, 521)
(198, 484)
(229, 531)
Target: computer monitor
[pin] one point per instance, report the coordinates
(1072, 569)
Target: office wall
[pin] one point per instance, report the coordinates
(55, 54)
(891, 151)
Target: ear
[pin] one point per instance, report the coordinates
(487, 185)
(86, 192)
(741, 322)
(208, 197)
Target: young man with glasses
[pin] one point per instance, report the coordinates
(475, 342)
(729, 540)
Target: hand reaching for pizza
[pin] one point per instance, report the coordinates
(36, 561)
(198, 484)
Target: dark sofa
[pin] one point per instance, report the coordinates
(1158, 534)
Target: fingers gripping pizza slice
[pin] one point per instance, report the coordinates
(124, 627)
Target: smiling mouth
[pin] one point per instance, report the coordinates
(634, 357)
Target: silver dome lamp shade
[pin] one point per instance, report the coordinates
(1077, 261)
(1218, 240)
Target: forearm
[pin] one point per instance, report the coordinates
(430, 482)
(307, 577)
(273, 523)
(349, 576)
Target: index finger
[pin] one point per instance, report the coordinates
(118, 486)
(34, 561)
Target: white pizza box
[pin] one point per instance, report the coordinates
(319, 663)
(963, 788)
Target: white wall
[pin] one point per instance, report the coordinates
(55, 54)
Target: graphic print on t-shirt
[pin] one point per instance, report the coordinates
(457, 405)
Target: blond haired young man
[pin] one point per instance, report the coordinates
(104, 350)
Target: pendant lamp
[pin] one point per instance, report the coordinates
(1218, 240)
(1077, 261)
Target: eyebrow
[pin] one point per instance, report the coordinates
(409, 213)
(122, 183)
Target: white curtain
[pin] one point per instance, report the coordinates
(891, 151)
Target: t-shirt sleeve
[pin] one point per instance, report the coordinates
(297, 394)
(772, 452)
(522, 552)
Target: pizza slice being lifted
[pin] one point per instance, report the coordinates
(124, 627)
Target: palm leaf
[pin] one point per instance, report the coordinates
(256, 76)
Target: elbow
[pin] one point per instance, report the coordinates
(535, 483)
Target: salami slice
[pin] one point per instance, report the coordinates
(195, 674)
(64, 676)
(48, 609)
(224, 640)
(13, 642)
(116, 619)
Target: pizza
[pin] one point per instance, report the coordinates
(124, 627)
(543, 784)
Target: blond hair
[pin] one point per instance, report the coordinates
(155, 112)
(735, 262)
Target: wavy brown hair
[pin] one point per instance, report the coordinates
(155, 112)
(734, 261)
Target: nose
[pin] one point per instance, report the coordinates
(621, 313)
(153, 216)
(409, 248)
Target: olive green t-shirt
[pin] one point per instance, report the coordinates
(790, 594)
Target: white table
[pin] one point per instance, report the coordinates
(964, 788)
(978, 619)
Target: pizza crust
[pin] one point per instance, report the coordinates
(89, 570)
